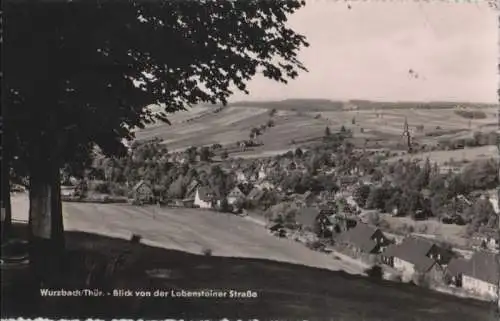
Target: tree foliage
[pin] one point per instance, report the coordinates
(97, 70)
(84, 65)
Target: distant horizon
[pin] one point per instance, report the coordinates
(362, 99)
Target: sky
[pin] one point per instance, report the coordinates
(367, 52)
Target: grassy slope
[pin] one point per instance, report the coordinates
(284, 290)
(295, 120)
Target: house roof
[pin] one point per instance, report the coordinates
(413, 250)
(361, 237)
(307, 216)
(307, 195)
(256, 194)
(236, 191)
(457, 266)
(206, 194)
(483, 266)
(136, 186)
(193, 185)
(276, 227)
(191, 189)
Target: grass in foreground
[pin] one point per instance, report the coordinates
(284, 290)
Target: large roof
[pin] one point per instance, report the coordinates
(236, 191)
(206, 194)
(361, 236)
(457, 266)
(139, 184)
(483, 266)
(413, 250)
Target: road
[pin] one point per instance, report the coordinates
(190, 230)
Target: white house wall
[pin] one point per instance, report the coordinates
(202, 204)
(407, 268)
(478, 286)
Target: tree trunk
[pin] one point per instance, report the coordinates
(6, 204)
(45, 220)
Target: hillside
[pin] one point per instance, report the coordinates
(295, 127)
(293, 104)
(238, 262)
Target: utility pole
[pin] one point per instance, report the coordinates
(406, 133)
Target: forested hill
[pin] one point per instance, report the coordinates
(314, 104)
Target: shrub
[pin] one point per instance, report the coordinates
(315, 245)
(102, 188)
(375, 272)
(118, 190)
(422, 228)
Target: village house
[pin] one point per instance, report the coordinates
(205, 197)
(191, 190)
(241, 177)
(265, 185)
(455, 270)
(142, 192)
(487, 239)
(342, 223)
(234, 195)
(493, 197)
(256, 195)
(417, 255)
(479, 275)
(251, 175)
(262, 174)
(365, 238)
(65, 191)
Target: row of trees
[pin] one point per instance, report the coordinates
(422, 191)
(149, 161)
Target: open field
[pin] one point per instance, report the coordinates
(187, 230)
(284, 290)
(391, 121)
(233, 124)
(440, 157)
(450, 233)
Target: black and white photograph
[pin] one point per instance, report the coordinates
(250, 159)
